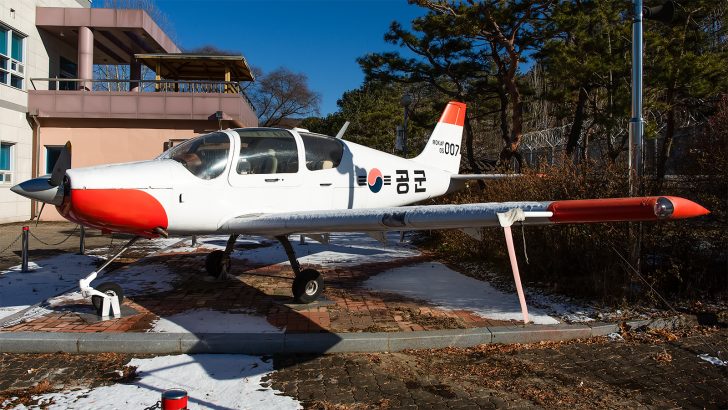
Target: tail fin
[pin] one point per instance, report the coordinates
(443, 148)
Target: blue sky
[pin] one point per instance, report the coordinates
(321, 38)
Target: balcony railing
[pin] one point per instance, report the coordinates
(140, 86)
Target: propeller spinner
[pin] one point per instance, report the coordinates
(48, 189)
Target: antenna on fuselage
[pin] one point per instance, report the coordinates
(341, 132)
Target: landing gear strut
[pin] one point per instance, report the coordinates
(217, 262)
(308, 283)
(106, 297)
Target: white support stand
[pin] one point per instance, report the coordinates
(110, 304)
(506, 220)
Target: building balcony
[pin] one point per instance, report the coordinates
(141, 99)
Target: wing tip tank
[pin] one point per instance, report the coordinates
(624, 209)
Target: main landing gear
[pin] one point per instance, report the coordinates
(106, 297)
(307, 284)
(217, 263)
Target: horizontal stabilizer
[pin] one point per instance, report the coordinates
(473, 177)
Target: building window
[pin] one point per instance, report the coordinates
(52, 154)
(12, 57)
(6, 163)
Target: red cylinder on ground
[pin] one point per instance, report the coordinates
(174, 399)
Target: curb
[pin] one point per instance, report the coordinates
(318, 343)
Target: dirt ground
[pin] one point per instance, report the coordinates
(654, 369)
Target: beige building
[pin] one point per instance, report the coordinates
(24, 53)
(56, 97)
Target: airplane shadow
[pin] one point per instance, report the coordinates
(175, 286)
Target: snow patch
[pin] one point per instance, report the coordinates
(211, 381)
(713, 360)
(48, 278)
(447, 289)
(214, 321)
(343, 250)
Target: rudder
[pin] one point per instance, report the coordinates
(444, 146)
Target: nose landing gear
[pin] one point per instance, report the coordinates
(107, 297)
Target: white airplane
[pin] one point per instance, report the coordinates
(276, 182)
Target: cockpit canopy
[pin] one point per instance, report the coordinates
(206, 156)
(262, 151)
(267, 151)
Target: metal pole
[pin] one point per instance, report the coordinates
(82, 241)
(635, 123)
(636, 129)
(24, 265)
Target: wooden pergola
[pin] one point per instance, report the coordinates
(198, 67)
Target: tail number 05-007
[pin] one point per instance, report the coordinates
(450, 149)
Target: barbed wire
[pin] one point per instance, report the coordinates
(54, 244)
(11, 243)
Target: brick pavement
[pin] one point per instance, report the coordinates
(266, 291)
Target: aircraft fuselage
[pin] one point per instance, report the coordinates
(244, 172)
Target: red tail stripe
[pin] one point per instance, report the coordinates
(454, 113)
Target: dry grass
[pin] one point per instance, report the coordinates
(685, 259)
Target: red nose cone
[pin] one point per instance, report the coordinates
(685, 208)
(117, 210)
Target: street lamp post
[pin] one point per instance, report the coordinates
(663, 13)
(635, 123)
(405, 101)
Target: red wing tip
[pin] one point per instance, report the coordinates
(685, 208)
(624, 209)
(454, 113)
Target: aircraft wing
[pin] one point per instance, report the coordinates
(464, 216)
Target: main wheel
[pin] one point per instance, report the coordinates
(307, 286)
(217, 264)
(109, 288)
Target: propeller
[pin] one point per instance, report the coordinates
(48, 190)
(62, 164)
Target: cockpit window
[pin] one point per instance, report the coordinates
(205, 156)
(322, 152)
(267, 151)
